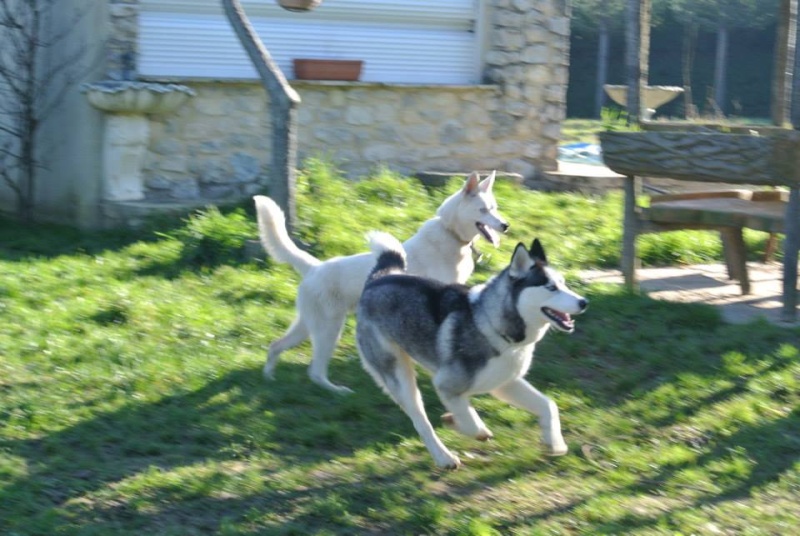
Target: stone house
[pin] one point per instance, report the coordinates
(446, 85)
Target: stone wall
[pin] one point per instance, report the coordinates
(217, 146)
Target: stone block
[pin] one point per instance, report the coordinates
(451, 132)
(176, 163)
(536, 54)
(220, 191)
(523, 167)
(212, 172)
(359, 115)
(559, 26)
(158, 182)
(246, 168)
(185, 189)
(167, 147)
(508, 39)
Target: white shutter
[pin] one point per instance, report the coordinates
(425, 42)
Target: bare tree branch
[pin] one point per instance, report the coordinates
(31, 90)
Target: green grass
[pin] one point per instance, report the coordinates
(131, 400)
(580, 130)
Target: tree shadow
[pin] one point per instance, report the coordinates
(238, 420)
(235, 417)
(20, 242)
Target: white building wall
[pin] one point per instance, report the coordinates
(216, 148)
(68, 182)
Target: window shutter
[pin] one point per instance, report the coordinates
(421, 42)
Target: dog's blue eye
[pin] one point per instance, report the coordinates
(484, 211)
(551, 287)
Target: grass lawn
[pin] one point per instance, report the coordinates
(132, 402)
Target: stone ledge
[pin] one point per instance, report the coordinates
(320, 83)
(582, 178)
(440, 178)
(134, 214)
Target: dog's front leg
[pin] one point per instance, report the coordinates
(523, 395)
(461, 414)
(401, 384)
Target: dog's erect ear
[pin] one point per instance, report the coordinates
(537, 251)
(486, 184)
(472, 184)
(521, 262)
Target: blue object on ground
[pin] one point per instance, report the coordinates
(581, 153)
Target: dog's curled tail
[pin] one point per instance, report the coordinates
(390, 254)
(275, 238)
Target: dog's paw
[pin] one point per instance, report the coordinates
(448, 461)
(325, 383)
(482, 434)
(341, 390)
(558, 448)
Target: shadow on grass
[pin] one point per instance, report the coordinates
(46, 240)
(239, 419)
(771, 449)
(76, 478)
(20, 242)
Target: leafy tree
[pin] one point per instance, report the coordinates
(721, 17)
(600, 17)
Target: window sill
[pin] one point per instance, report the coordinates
(320, 83)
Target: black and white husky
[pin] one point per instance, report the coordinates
(472, 340)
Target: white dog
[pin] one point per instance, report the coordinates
(441, 250)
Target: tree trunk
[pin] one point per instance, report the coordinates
(602, 67)
(637, 49)
(720, 69)
(283, 100)
(782, 77)
(794, 108)
(689, 43)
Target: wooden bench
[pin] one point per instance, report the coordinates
(732, 159)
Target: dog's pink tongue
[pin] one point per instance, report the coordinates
(490, 235)
(494, 238)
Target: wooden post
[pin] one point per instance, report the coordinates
(782, 81)
(791, 248)
(283, 100)
(794, 59)
(630, 229)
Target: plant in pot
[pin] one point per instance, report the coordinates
(299, 5)
(327, 69)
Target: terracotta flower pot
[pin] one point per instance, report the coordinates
(311, 69)
(299, 5)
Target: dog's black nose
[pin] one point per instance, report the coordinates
(505, 226)
(583, 304)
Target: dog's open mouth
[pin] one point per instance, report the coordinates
(488, 233)
(561, 321)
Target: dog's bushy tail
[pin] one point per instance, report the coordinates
(275, 239)
(389, 252)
